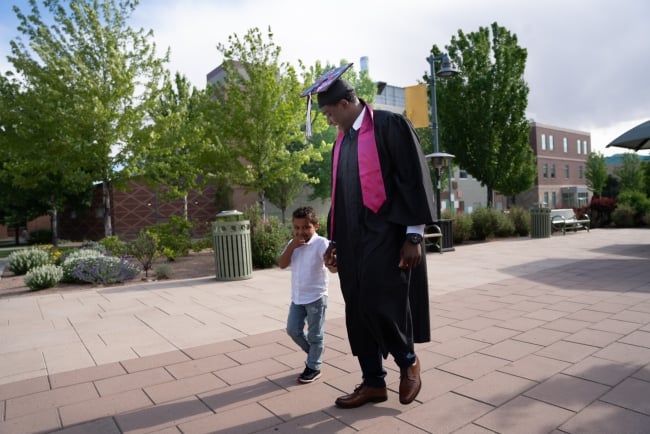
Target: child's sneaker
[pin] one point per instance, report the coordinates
(308, 375)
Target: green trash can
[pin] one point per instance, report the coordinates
(232, 246)
(540, 222)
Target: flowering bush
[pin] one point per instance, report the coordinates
(21, 261)
(104, 270)
(75, 257)
(43, 276)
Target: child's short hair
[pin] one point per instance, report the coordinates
(306, 212)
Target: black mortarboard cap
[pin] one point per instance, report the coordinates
(330, 89)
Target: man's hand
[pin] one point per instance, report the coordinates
(410, 255)
(329, 258)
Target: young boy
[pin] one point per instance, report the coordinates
(309, 281)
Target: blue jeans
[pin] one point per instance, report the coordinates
(312, 341)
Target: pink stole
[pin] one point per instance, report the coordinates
(373, 191)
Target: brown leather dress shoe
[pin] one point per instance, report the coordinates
(361, 395)
(410, 383)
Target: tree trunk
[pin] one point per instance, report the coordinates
(185, 212)
(55, 225)
(490, 197)
(106, 190)
(262, 198)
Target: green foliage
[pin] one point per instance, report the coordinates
(462, 228)
(73, 258)
(113, 245)
(202, 244)
(144, 248)
(105, 270)
(483, 119)
(43, 276)
(596, 172)
(174, 237)
(257, 113)
(485, 223)
(520, 218)
(637, 201)
(268, 238)
(21, 261)
(86, 79)
(164, 271)
(630, 173)
(505, 226)
(624, 216)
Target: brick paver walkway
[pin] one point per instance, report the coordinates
(529, 336)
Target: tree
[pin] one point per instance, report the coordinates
(169, 150)
(94, 77)
(257, 113)
(596, 173)
(630, 173)
(482, 111)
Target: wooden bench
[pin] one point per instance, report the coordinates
(433, 237)
(566, 220)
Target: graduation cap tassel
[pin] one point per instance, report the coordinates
(308, 124)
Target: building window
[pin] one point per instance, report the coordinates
(553, 200)
(545, 170)
(543, 142)
(581, 173)
(579, 148)
(566, 171)
(565, 144)
(553, 170)
(550, 143)
(546, 198)
(584, 147)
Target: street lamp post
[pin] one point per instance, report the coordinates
(439, 159)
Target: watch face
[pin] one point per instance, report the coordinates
(415, 238)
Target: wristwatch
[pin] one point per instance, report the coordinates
(414, 238)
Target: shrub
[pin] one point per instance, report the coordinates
(72, 259)
(600, 211)
(520, 218)
(624, 216)
(268, 237)
(484, 223)
(21, 261)
(104, 270)
(113, 245)
(462, 228)
(174, 237)
(43, 276)
(202, 244)
(164, 271)
(636, 200)
(505, 227)
(145, 249)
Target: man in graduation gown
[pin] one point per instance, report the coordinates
(381, 201)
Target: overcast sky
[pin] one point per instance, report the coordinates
(588, 65)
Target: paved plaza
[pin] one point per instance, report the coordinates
(529, 336)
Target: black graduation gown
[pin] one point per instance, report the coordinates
(368, 244)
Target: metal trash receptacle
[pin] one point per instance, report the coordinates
(446, 226)
(232, 246)
(540, 222)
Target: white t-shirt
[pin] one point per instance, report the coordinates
(309, 276)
